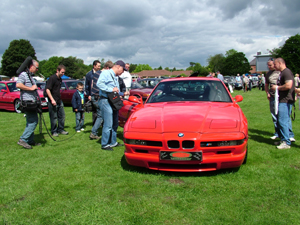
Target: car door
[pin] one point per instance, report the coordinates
(2, 95)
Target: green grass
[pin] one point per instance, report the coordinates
(75, 182)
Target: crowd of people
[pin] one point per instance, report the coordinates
(115, 77)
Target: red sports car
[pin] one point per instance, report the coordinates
(10, 96)
(186, 125)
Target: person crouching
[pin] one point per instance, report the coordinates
(77, 104)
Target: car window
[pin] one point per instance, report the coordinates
(2, 86)
(63, 85)
(72, 84)
(12, 87)
(135, 85)
(190, 90)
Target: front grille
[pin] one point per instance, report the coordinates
(173, 144)
(188, 144)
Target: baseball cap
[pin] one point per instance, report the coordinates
(121, 63)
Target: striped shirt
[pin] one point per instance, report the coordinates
(27, 95)
(95, 89)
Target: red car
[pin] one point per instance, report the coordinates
(139, 91)
(186, 125)
(68, 88)
(10, 96)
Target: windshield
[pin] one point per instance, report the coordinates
(72, 84)
(190, 90)
(149, 83)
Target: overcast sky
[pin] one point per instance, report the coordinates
(169, 33)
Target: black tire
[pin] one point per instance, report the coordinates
(17, 105)
(245, 160)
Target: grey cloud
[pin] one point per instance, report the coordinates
(245, 41)
(167, 33)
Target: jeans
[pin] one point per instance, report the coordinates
(99, 120)
(284, 122)
(57, 117)
(79, 116)
(275, 118)
(111, 123)
(31, 123)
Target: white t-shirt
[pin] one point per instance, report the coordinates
(126, 78)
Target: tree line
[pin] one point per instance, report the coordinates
(232, 63)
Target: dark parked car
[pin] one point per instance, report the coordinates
(254, 81)
(229, 80)
(238, 82)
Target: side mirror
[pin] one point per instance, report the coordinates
(134, 99)
(238, 98)
(4, 90)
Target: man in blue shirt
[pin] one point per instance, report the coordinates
(108, 82)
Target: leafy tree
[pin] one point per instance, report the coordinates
(132, 68)
(290, 52)
(15, 55)
(236, 63)
(192, 64)
(275, 52)
(159, 68)
(216, 62)
(231, 52)
(48, 67)
(201, 70)
(174, 69)
(142, 67)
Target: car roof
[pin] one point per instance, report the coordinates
(190, 78)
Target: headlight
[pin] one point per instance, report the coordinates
(222, 143)
(143, 142)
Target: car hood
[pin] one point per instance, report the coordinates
(204, 117)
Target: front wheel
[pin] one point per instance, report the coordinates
(17, 105)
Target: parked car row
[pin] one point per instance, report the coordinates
(10, 96)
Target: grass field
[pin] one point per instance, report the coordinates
(75, 182)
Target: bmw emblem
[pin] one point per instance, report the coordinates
(180, 134)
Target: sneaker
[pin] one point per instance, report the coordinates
(78, 131)
(35, 144)
(64, 132)
(82, 129)
(283, 145)
(93, 136)
(274, 137)
(117, 144)
(55, 134)
(277, 142)
(292, 139)
(24, 144)
(108, 148)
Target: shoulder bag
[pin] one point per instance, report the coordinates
(114, 99)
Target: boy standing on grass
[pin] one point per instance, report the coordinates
(77, 104)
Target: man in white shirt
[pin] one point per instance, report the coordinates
(127, 77)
